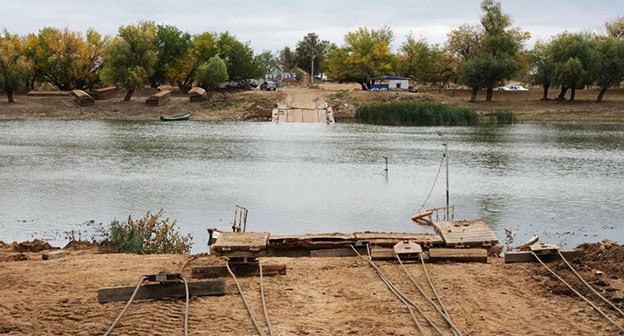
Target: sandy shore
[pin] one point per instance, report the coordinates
(257, 105)
(317, 296)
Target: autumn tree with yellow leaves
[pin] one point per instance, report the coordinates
(13, 64)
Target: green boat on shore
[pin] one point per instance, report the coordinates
(183, 116)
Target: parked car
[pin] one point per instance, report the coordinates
(268, 86)
(512, 88)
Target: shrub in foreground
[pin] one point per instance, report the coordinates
(150, 234)
(416, 114)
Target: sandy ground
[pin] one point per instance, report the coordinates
(317, 296)
(344, 98)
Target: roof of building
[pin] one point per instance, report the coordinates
(390, 78)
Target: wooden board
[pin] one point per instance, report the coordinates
(53, 255)
(48, 93)
(458, 255)
(159, 98)
(160, 291)
(380, 253)
(228, 242)
(466, 233)
(240, 270)
(311, 241)
(389, 239)
(526, 256)
(103, 93)
(197, 94)
(82, 98)
(339, 252)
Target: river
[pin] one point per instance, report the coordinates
(560, 181)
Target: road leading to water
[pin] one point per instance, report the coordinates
(302, 105)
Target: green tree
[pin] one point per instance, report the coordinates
(14, 67)
(172, 45)
(311, 52)
(499, 53)
(366, 54)
(239, 58)
(203, 47)
(212, 73)
(131, 57)
(266, 61)
(609, 64)
(574, 58)
(543, 67)
(287, 59)
(424, 63)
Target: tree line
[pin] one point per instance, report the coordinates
(480, 57)
(140, 54)
(486, 56)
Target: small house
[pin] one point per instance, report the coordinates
(389, 83)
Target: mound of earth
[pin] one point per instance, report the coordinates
(601, 267)
(36, 245)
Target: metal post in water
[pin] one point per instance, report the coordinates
(445, 155)
(386, 169)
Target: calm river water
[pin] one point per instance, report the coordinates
(561, 181)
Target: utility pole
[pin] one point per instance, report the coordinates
(312, 70)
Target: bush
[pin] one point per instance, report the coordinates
(503, 117)
(416, 114)
(150, 234)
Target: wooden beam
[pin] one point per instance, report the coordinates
(338, 252)
(382, 253)
(242, 269)
(53, 255)
(162, 290)
(526, 256)
(458, 255)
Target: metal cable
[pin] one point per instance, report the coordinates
(440, 308)
(266, 314)
(435, 292)
(577, 293)
(432, 186)
(123, 311)
(191, 258)
(402, 297)
(589, 286)
(240, 290)
(186, 306)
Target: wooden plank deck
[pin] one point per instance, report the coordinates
(241, 241)
(466, 233)
(389, 239)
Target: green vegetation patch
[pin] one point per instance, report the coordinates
(150, 234)
(502, 117)
(416, 114)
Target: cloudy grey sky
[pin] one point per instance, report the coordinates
(273, 24)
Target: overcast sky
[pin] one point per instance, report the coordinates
(274, 24)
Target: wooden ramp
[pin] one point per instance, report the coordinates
(318, 112)
(250, 244)
(466, 233)
(241, 244)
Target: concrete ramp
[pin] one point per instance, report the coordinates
(303, 106)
